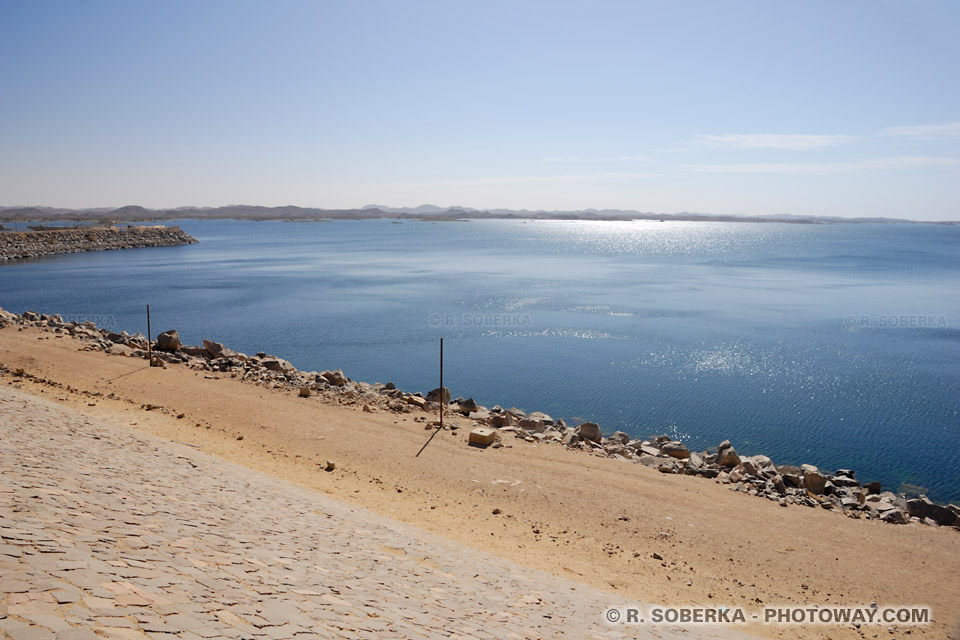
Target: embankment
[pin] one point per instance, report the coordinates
(624, 527)
(30, 244)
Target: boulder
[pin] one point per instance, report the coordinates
(648, 449)
(336, 378)
(589, 431)
(118, 338)
(813, 480)
(922, 507)
(726, 455)
(304, 392)
(873, 488)
(849, 502)
(675, 449)
(779, 485)
(168, 340)
(745, 468)
(480, 415)
(217, 350)
(764, 466)
(894, 516)
(277, 364)
(468, 406)
(440, 395)
(844, 481)
(531, 424)
(667, 465)
(502, 420)
(416, 401)
(539, 415)
(619, 437)
(792, 479)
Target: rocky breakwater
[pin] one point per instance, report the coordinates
(31, 244)
(757, 475)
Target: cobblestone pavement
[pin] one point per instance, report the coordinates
(110, 533)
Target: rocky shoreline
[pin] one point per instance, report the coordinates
(756, 475)
(17, 245)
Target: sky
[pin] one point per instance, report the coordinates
(836, 107)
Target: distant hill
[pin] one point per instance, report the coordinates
(137, 213)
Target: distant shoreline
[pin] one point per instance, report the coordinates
(135, 213)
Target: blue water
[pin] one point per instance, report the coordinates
(831, 344)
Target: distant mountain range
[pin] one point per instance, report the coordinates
(136, 213)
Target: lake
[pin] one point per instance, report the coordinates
(836, 345)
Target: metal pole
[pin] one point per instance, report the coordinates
(149, 339)
(441, 383)
(441, 405)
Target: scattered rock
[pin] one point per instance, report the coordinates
(439, 395)
(416, 401)
(922, 507)
(873, 488)
(168, 340)
(336, 378)
(813, 480)
(542, 417)
(619, 437)
(726, 455)
(894, 516)
(676, 450)
(277, 364)
(755, 475)
(589, 431)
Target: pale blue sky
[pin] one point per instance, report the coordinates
(847, 108)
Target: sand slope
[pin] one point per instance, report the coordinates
(589, 519)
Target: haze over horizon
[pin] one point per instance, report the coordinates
(748, 107)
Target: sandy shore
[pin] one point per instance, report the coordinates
(590, 519)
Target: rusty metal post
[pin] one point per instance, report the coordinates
(149, 339)
(442, 403)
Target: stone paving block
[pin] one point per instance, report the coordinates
(77, 633)
(126, 536)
